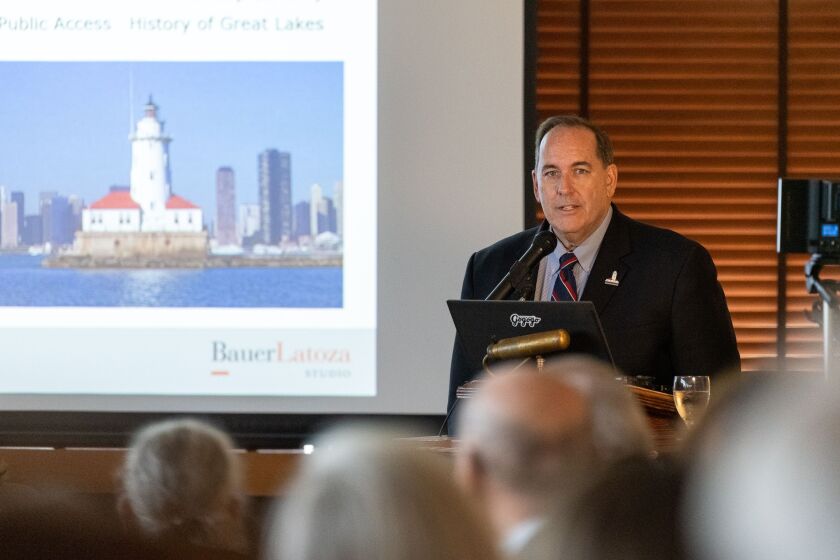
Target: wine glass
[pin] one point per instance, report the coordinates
(691, 395)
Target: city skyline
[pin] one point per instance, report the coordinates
(60, 216)
(218, 114)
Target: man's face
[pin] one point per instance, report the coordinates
(572, 184)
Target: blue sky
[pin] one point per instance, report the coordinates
(65, 125)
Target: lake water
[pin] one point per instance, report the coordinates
(24, 282)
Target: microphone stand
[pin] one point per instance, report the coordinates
(520, 280)
(523, 280)
(827, 290)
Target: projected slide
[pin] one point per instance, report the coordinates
(227, 229)
(188, 201)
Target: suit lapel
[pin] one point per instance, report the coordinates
(614, 247)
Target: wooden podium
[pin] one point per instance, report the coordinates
(662, 415)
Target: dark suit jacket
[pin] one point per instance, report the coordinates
(668, 315)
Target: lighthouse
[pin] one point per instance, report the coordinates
(144, 222)
(150, 175)
(148, 204)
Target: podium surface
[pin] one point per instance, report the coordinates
(662, 416)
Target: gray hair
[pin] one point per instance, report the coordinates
(179, 477)
(619, 427)
(537, 463)
(603, 144)
(543, 466)
(364, 495)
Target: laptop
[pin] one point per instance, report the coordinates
(480, 323)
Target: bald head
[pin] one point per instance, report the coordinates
(532, 401)
(527, 431)
(619, 427)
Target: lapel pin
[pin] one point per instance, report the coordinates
(613, 281)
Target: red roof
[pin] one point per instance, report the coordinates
(115, 200)
(176, 202)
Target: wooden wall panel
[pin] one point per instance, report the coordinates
(689, 93)
(558, 63)
(813, 143)
(558, 57)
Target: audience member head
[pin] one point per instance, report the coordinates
(733, 396)
(365, 495)
(526, 445)
(767, 486)
(619, 428)
(181, 479)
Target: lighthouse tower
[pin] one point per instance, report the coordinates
(150, 177)
(145, 224)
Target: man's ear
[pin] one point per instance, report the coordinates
(612, 177)
(536, 186)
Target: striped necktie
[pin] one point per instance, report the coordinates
(565, 287)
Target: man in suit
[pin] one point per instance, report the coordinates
(656, 292)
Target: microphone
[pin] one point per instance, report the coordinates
(543, 244)
(529, 345)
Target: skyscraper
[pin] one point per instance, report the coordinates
(326, 215)
(302, 227)
(249, 223)
(4, 199)
(45, 201)
(225, 207)
(9, 233)
(32, 230)
(338, 200)
(275, 178)
(77, 206)
(61, 222)
(314, 205)
(18, 198)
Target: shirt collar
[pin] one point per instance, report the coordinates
(586, 251)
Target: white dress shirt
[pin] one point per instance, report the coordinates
(586, 253)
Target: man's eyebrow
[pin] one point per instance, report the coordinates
(578, 163)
